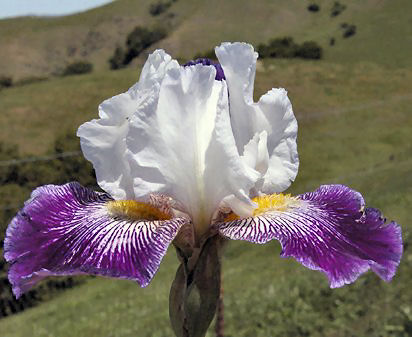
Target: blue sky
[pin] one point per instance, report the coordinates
(11, 8)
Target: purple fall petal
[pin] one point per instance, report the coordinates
(65, 230)
(328, 230)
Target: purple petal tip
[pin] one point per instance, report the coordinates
(67, 230)
(329, 231)
(220, 75)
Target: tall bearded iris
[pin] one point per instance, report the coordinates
(186, 156)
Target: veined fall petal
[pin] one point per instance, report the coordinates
(327, 230)
(69, 229)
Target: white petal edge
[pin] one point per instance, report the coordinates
(103, 140)
(272, 113)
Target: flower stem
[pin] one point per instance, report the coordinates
(219, 328)
(195, 290)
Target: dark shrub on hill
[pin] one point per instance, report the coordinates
(73, 167)
(286, 48)
(77, 68)
(309, 50)
(313, 8)
(65, 163)
(12, 198)
(9, 305)
(349, 31)
(140, 39)
(283, 47)
(31, 79)
(8, 172)
(337, 9)
(5, 82)
(19, 176)
(159, 7)
(33, 174)
(117, 60)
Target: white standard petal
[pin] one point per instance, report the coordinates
(185, 148)
(256, 155)
(103, 140)
(272, 113)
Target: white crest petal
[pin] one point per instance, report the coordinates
(239, 207)
(102, 143)
(272, 113)
(103, 140)
(184, 147)
(255, 153)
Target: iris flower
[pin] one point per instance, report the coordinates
(186, 157)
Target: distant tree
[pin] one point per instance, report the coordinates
(72, 167)
(313, 7)
(117, 60)
(8, 173)
(140, 39)
(159, 7)
(5, 81)
(77, 68)
(30, 80)
(3, 310)
(283, 47)
(309, 50)
(349, 31)
(337, 9)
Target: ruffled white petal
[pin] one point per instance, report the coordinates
(154, 70)
(256, 155)
(102, 143)
(183, 146)
(272, 113)
(103, 140)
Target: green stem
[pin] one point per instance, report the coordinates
(220, 311)
(195, 291)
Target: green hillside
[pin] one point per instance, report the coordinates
(355, 121)
(33, 46)
(39, 46)
(384, 28)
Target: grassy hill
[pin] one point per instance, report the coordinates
(381, 26)
(355, 121)
(40, 46)
(35, 46)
